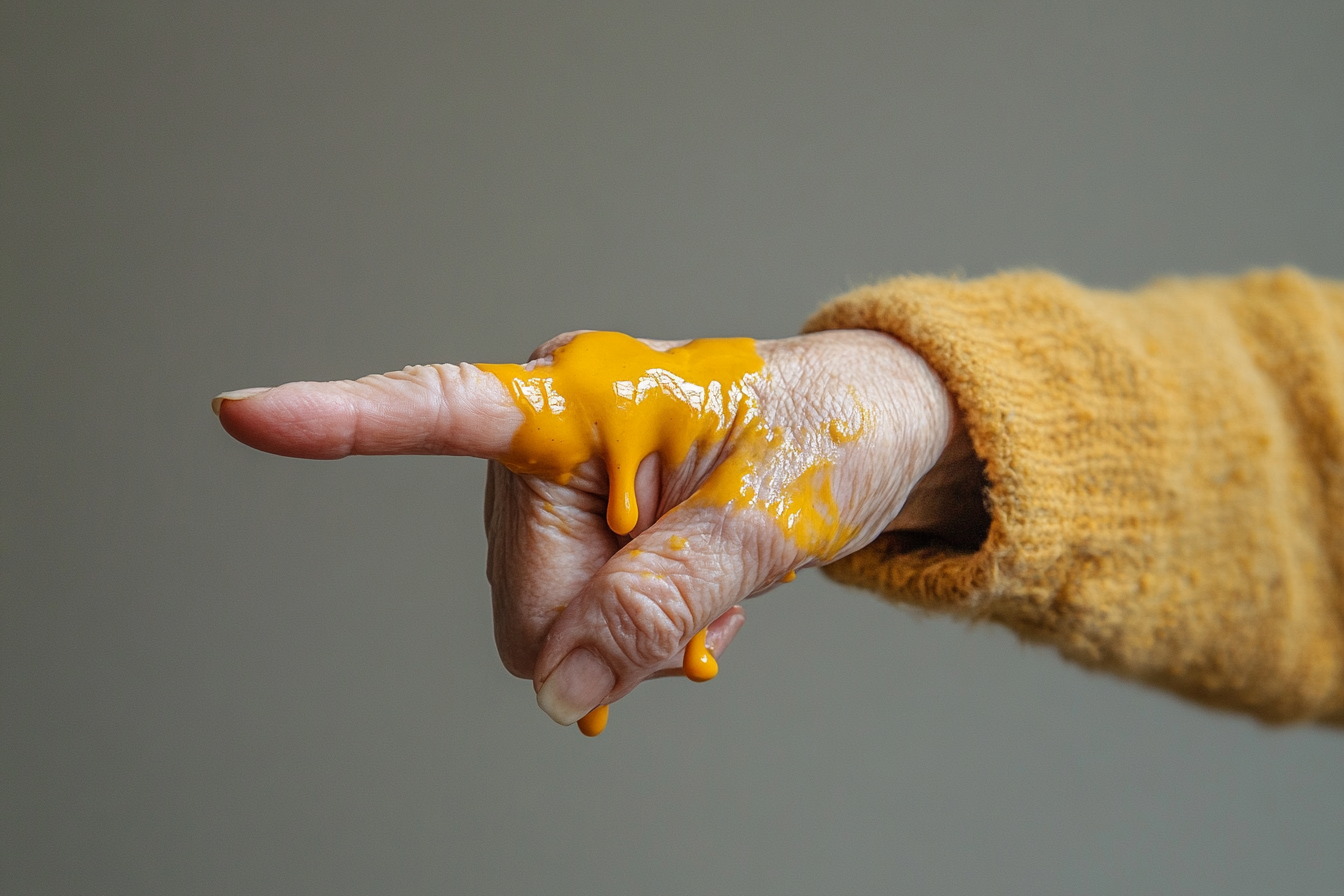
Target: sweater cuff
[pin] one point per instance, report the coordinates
(980, 337)
(1146, 481)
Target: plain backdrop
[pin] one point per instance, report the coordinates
(226, 672)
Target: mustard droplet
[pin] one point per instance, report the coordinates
(698, 663)
(595, 722)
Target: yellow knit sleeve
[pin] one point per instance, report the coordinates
(1165, 475)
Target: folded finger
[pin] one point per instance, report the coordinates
(641, 609)
(546, 542)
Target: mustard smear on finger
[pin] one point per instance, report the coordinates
(609, 396)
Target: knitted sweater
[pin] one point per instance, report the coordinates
(1165, 475)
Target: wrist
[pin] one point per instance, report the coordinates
(947, 505)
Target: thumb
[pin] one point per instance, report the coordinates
(431, 409)
(636, 615)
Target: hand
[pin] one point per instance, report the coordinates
(843, 426)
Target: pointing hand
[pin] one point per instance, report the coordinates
(640, 490)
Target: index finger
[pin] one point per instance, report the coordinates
(453, 409)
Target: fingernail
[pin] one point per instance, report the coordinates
(235, 395)
(577, 685)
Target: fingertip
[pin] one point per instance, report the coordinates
(283, 420)
(235, 395)
(723, 630)
(579, 683)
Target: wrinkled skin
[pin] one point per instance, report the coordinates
(588, 615)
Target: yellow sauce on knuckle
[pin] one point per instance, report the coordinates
(609, 397)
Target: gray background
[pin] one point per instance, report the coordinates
(224, 672)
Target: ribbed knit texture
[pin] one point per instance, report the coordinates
(1165, 469)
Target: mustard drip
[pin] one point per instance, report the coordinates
(595, 722)
(698, 663)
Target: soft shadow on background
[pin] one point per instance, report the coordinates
(224, 672)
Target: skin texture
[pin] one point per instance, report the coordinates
(587, 614)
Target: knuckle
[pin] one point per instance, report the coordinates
(649, 617)
(550, 345)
